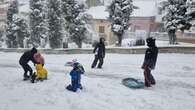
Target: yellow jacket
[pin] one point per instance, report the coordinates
(41, 72)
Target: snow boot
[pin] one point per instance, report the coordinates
(71, 88)
(26, 77)
(152, 80)
(33, 77)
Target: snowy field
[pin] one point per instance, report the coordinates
(175, 89)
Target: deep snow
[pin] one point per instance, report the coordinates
(175, 89)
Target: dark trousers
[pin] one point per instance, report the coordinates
(101, 61)
(27, 69)
(149, 79)
(74, 85)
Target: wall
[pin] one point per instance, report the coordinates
(188, 37)
(108, 35)
(3, 15)
(133, 50)
(143, 23)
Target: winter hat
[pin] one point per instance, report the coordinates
(102, 39)
(74, 60)
(34, 50)
(150, 41)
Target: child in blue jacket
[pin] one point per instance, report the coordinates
(76, 77)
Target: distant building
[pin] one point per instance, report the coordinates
(100, 24)
(142, 19)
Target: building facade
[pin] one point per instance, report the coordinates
(3, 15)
(142, 19)
(103, 29)
(147, 24)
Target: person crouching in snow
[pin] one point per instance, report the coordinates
(41, 73)
(150, 61)
(76, 77)
(24, 59)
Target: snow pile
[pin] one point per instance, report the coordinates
(84, 45)
(175, 89)
(128, 42)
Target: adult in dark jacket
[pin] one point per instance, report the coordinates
(24, 59)
(99, 51)
(150, 61)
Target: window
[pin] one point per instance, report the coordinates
(101, 29)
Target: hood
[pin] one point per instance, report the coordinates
(102, 40)
(38, 66)
(34, 50)
(151, 42)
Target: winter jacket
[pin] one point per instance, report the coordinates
(99, 50)
(151, 57)
(77, 71)
(28, 56)
(41, 72)
(38, 58)
(78, 67)
(75, 75)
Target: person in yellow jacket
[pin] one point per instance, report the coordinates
(40, 74)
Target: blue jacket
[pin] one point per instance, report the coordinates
(75, 75)
(77, 71)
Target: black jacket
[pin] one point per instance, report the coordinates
(26, 57)
(99, 50)
(151, 57)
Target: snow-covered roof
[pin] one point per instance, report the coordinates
(146, 9)
(98, 12)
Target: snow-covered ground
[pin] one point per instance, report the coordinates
(175, 88)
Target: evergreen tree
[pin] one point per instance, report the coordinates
(55, 24)
(76, 20)
(20, 30)
(175, 18)
(1, 36)
(190, 10)
(10, 38)
(119, 15)
(38, 24)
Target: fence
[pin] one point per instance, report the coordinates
(137, 35)
(163, 36)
